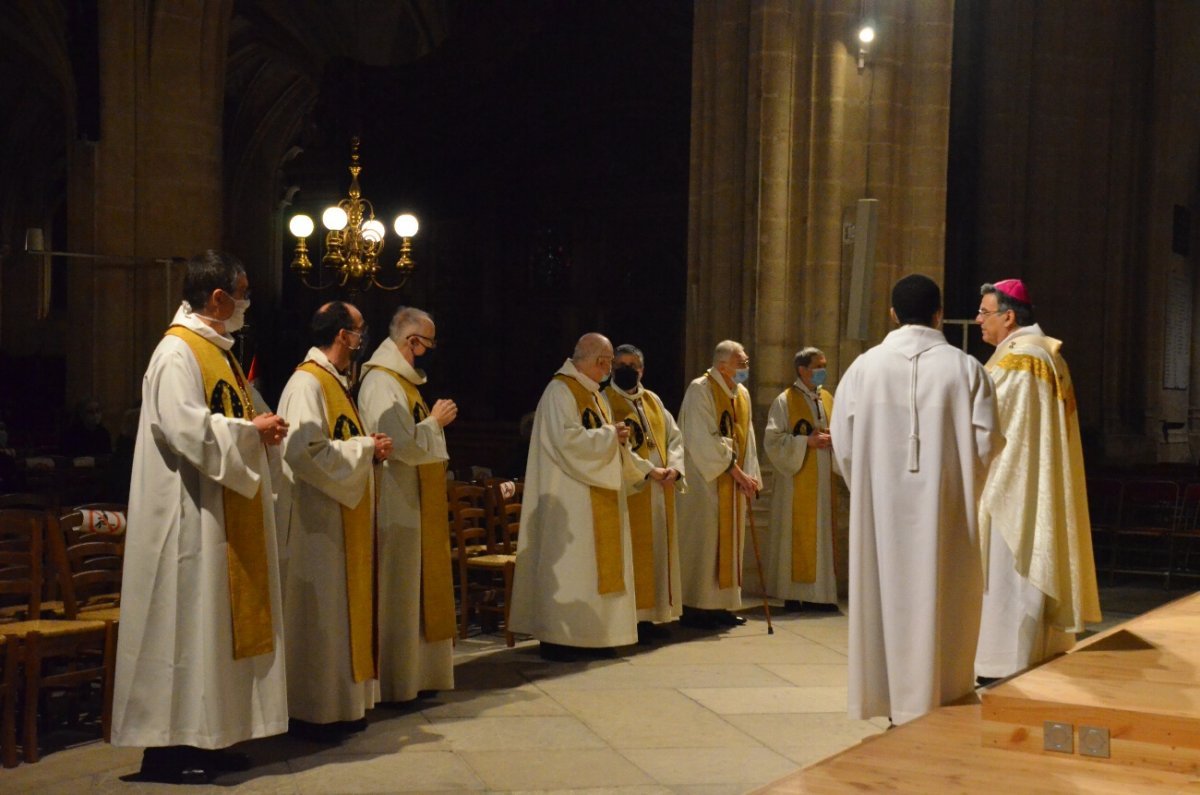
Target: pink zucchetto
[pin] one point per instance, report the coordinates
(1013, 288)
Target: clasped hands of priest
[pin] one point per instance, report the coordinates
(271, 428)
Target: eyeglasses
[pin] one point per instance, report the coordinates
(428, 342)
(985, 312)
(360, 331)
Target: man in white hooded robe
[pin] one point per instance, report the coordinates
(798, 555)
(652, 515)
(416, 589)
(573, 587)
(913, 434)
(199, 668)
(721, 456)
(327, 518)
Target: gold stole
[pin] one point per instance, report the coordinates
(733, 421)
(639, 506)
(606, 511)
(437, 587)
(358, 527)
(804, 486)
(245, 528)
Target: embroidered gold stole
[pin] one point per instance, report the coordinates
(804, 486)
(358, 526)
(226, 393)
(437, 586)
(640, 505)
(733, 421)
(606, 511)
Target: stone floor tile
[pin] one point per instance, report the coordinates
(748, 767)
(630, 674)
(428, 772)
(768, 700)
(517, 733)
(80, 762)
(808, 738)
(751, 648)
(407, 733)
(541, 770)
(651, 719)
(809, 674)
(526, 699)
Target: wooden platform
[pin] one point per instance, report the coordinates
(1130, 696)
(1140, 681)
(942, 753)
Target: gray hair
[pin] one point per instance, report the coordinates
(726, 349)
(804, 357)
(406, 321)
(1022, 312)
(631, 350)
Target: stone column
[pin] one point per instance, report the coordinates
(149, 188)
(787, 134)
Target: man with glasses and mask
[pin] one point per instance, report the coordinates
(1034, 528)
(416, 591)
(200, 656)
(658, 446)
(327, 520)
(574, 587)
(799, 553)
(721, 456)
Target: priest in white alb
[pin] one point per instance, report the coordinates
(653, 524)
(1034, 528)
(327, 512)
(798, 556)
(200, 660)
(721, 457)
(573, 588)
(416, 588)
(913, 434)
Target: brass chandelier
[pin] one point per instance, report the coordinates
(354, 240)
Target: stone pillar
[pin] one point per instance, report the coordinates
(149, 188)
(787, 135)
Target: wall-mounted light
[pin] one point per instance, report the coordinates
(865, 35)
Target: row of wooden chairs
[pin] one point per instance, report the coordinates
(485, 518)
(1145, 527)
(59, 612)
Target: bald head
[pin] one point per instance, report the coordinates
(593, 356)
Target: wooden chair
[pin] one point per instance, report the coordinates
(1142, 538)
(470, 539)
(88, 564)
(1186, 535)
(1104, 511)
(55, 654)
(503, 506)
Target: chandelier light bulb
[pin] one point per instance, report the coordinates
(301, 225)
(334, 219)
(373, 230)
(866, 34)
(406, 225)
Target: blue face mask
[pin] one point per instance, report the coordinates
(818, 377)
(741, 376)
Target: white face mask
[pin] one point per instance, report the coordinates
(238, 318)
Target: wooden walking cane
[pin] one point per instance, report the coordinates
(762, 581)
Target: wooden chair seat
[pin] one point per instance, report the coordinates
(50, 627)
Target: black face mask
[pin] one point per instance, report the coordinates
(625, 378)
(422, 361)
